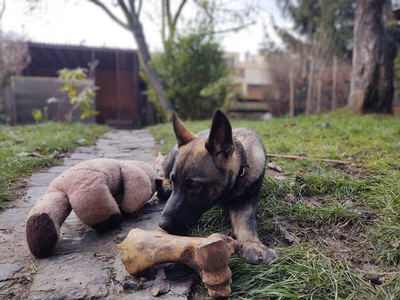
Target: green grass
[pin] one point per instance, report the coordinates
(43, 139)
(345, 219)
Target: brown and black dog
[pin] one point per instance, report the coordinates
(216, 166)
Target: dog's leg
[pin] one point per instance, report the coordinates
(243, 218)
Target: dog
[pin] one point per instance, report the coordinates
(216, 166)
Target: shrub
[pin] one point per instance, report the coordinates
(190, 63)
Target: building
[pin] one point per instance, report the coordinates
(252, 74)
(120, 99)
(253, 79)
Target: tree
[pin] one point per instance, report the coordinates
(373, 58)
(14, 57)
(322, 29)
(132, 10)
(236, 16)
(191, 68)
(322, 25)
(230, 13)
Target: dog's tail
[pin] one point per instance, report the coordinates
(44, 222)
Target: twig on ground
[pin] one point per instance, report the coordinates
(342, 162)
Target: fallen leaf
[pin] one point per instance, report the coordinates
(287, 235)
(161, 285)
(374, 278)
(274, 166)
(131, 284)
(348, 202)
(368, 215)
(31, 154)
(394, 244)
(158, 163)
(289, 198)
(55, 154)
(40, 150)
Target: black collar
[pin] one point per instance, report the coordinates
(244, 168)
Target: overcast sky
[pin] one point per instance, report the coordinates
(82, 23)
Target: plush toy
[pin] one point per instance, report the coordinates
(97, 190)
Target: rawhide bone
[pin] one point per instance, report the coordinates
(209, 257)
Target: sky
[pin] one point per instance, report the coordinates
(76, 22)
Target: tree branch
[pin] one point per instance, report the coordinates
(3, 9)
(169, 17)
(139, 8)
(237, 28)
(109, 13)
(178, 13)
(163, 22)
(127, 13)
(342, 162)
(132, 5)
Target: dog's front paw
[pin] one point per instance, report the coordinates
(257, 253)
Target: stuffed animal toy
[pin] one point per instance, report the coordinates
(97, 190)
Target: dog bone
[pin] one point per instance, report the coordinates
(209, 257)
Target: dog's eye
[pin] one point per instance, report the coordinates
(192, 184)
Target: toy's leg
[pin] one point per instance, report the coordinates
(94, 204)
(137, 188)
(44, 222)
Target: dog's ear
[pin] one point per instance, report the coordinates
(220, 139)
(183, 135)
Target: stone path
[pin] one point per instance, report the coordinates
(86, 264)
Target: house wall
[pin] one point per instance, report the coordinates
(28, 93)
(118, 99)
(253, 75)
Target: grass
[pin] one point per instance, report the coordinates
(43, 139)
(345, 220)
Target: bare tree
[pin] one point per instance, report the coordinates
(131, 10)
(373, 58)
(14, 57)
(235, 16)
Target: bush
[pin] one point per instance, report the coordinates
(189, 64)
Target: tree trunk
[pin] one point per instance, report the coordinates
(135, 27)
(310, 87)
(386, 83)
(334, 83)
(137, 32)
(374, 52)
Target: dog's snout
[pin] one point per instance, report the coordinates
(166, 224)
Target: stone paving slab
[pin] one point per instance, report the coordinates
(72, 276)
(120, 155)
(42, 179)
(82, 156)
(11, 218)
(84, 150)
(7, 271)
(58, 169)
(34, 193)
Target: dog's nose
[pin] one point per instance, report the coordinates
(167, 225)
